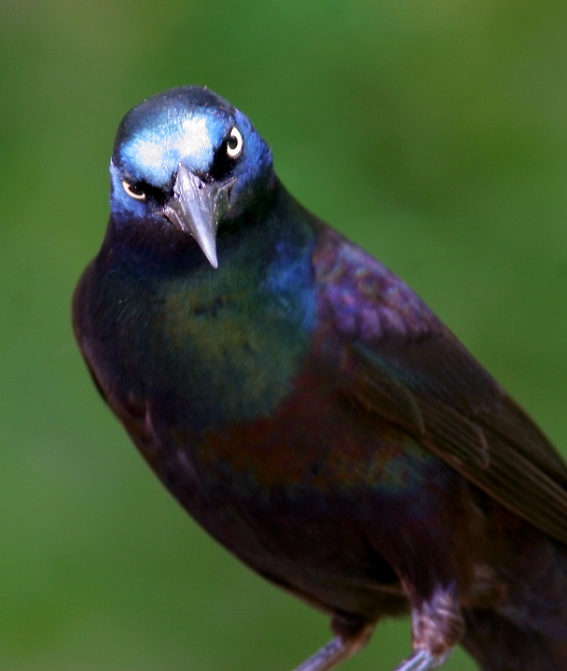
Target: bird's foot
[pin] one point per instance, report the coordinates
(437, 627)
(327, 657)
(341, 647)
(423, 660)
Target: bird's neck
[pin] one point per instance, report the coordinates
(244, 326)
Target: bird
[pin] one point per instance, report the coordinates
(310, 411)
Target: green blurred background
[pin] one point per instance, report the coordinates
(433, 132)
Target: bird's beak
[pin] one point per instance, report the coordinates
(197, 207)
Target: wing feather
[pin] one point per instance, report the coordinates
(406, 367)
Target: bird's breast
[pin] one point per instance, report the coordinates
(233, 354)
(206, 349)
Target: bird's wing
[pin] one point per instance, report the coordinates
(405, 366)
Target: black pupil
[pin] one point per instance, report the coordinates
(136, 189)
(233, 142)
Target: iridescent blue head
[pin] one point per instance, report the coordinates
(188, 157)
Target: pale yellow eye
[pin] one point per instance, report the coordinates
(234, 143)
(134, 190)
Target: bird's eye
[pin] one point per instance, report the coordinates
(134, 190)
(234, 143)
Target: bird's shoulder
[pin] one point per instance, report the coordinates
(365, 299)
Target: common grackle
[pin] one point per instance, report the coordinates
(310, 411)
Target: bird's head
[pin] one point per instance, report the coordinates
(188, 157)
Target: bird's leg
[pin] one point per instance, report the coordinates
(327, 657)
(437, 627)
(423, 660)
(347, 642)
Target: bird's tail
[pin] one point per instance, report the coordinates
(499, 645)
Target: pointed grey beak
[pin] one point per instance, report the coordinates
(197, 207)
